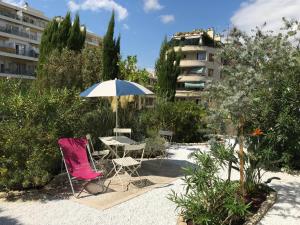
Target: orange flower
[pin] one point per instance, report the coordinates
(257, 132)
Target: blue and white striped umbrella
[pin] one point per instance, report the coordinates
(115, 88)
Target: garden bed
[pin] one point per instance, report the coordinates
(261, 203)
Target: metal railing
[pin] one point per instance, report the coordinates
(17, 72)
(26, 20)
(30, 53)
(10, 15)
(7, 45)
(19, 33)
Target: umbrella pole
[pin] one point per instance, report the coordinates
(117, 112)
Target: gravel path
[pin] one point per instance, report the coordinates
(286, 210)
(150, 208)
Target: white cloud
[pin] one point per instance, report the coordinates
(15, 2)
(152, 5)
(254, 13)
(73, 6)
(167, 18)
(126, 26)
(99, 4)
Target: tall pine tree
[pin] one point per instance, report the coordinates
(60, 34)
(167, 70)
(64, 31)
(111, 52)
(49, 40)
(76, 36)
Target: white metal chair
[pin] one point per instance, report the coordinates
(118, 131)
(129, 164)
(167, 136)
(98, 156)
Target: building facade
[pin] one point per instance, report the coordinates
(21, 30)
(198, 65)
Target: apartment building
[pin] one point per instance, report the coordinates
(21, 30)
(198, 64)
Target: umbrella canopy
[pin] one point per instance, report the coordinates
(115, 88)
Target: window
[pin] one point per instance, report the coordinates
(184, 56)
(211, 57)
(201, 55)
(20, 49)
(198, 70)
(210, 72)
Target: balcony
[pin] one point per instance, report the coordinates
(7, 47)
(29, 53)
(10, 15)
(35, 22)
(10, 48)
(38, 23)
(196, 63)
(19, 33)
(17, 72)
(195, 49)
(187, 93)
(192, 63)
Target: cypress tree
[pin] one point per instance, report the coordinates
(167, 70)
(64, 31)
(54, 36)
(60, 34)
(49, 40)
(75, 39)
(111, 52)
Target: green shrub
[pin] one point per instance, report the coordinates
(185, 119)
(209, 199)
(32, 122)
(155, 146)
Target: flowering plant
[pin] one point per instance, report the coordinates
(257, 132)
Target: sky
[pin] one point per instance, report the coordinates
(143, 24)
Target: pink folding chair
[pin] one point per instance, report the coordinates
(75, 158)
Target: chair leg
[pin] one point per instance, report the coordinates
(110, 172)
(72, 186)
(83, 187)
(134, 171)
(102, 182)
(70, 182)
(117, 171)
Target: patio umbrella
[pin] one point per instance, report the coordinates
(115, 88)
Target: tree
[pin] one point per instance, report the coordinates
(167, 70)
(111, 52)
(58, 35)
(77, 36)
(64, 31)
(62, 69)
(130, 71)
(255, 68)
(49, 40)
(70, 69)
(91, 66)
